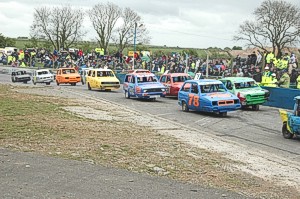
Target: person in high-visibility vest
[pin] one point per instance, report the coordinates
(269, 57)
(284, 81)
(272, 81)
(193, 67)
(298, 82)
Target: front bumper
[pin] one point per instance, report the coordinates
(110, 86)
(221, 109)
(151, 95)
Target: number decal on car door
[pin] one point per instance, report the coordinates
(194, 99)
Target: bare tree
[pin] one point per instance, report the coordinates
(61, 26)
(124, 34)
(276, 25)
(104, 18)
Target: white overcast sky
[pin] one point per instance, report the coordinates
(183, 23)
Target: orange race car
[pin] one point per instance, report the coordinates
(67, 76)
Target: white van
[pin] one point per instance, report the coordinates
(10, 50)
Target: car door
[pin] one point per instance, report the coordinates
(194, 97)
(58, 75)
(93, 79)
(126, 82)
(183, 94)
(13, 75)
(132, 85)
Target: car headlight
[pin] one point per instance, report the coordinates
(145, 91)
(163, 89)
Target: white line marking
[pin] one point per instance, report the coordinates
(201, 120)
(164, 114)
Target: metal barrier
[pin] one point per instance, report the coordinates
(282, 97)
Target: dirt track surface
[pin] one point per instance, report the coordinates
(27, 175)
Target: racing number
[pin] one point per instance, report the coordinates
(194, 98)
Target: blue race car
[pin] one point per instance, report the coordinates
(143, 85)
(207, 96)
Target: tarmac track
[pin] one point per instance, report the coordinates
(258, 129)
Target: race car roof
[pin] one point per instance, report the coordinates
(238, 79)
(205, 81)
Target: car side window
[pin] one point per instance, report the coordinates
(186, 87)
(132, 80)
(163, 79)
(195, 88)
(93, 73)
(168, 80)
(229, 85)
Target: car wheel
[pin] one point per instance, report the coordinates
(223, 114)
(57, 83)
(108, 90)
(73, 84)
(25, 82)
(89, 87)
(255, 107)
(127, 95)
(285, 132)
(47, 83)
(184, 107)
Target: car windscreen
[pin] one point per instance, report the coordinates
(20, 73)
(212, 88)
(180, 78)
(145, 79)
(68, 71)
(43, 73)
(105, 74)
(249, 84)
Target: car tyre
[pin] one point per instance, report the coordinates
(25, 82)
(73, 84)
(223, 114)
(285, 132)
(89, 87)
(47, 83)
(255, 107)
(184, 107)
(57, 83)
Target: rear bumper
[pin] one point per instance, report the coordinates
(44, 80)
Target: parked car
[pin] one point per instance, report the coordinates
(67, 76)
(143, 85)
(20, 76)
(207, 96)
(247, 90)
(173, 82)
(42, 76)
(102, 79)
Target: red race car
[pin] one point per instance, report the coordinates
(173, 82)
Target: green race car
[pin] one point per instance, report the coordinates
(247, 90)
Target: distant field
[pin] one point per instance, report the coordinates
(156, 50)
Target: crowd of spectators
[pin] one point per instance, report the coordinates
(253, 65)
